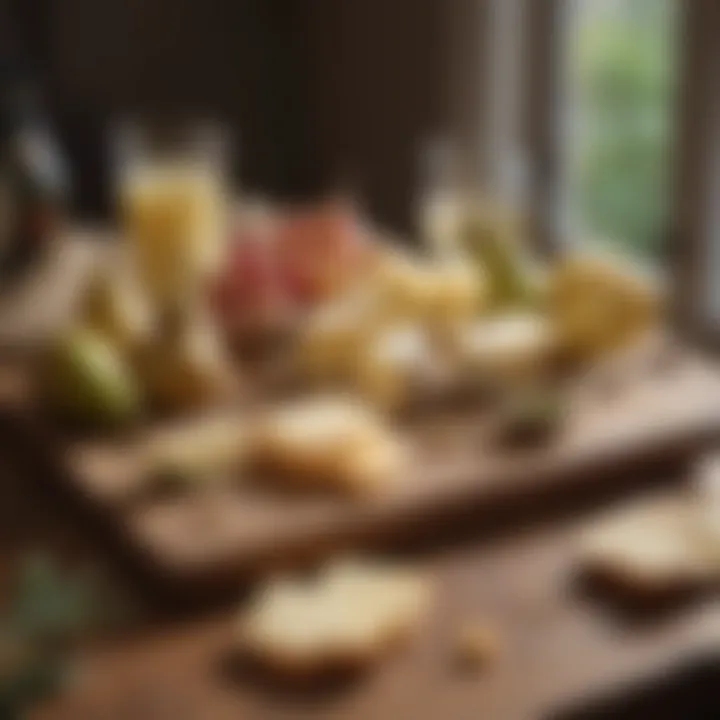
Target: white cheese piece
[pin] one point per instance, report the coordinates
(349, 615)
(507, 347)
(652, 547)
(394, 365)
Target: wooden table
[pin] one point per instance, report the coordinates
(556, 646)
(652, 403)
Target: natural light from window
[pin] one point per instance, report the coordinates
(622, 67)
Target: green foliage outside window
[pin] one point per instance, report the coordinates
(623, 64)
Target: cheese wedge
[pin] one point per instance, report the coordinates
(413, 288)
(600, 304)
(332, 442)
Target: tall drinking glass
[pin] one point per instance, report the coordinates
(173, 205)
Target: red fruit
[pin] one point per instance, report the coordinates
(250, 285)
(318, 250)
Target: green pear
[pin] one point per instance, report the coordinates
(87, 380)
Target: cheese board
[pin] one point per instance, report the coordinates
(372, 326)
(221, 531)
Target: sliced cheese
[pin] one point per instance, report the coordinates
(654, 546)
(507, 348)
(329, 441)
(350, 614)
(600, 304)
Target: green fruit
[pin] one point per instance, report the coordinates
(491, 236)
(88, 381)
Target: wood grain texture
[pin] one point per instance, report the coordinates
(223, 530)
(638, 408)
(557, 648)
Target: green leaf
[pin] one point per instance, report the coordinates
(49, 605)
(30, 684)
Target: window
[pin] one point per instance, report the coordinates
(622, 67)
(619, 131)
(696, 192)
(622, 136)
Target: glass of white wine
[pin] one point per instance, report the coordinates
(173, 206)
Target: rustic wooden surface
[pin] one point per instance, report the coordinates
(557, 648)
(211, 534)
(646, 406)
(558, 645)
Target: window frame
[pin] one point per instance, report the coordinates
(695, 191)
(544, 87)
(696, 226)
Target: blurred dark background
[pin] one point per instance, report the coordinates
(316, 93)
(327, 94)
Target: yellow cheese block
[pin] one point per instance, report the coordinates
(600, 304)
(335, 335)
(331, 442)
(413, 288)
(459, 291)
(406, 287)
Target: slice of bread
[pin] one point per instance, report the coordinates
(349, 616)
(333, 442)
(654, 547)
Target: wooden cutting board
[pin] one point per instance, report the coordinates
(635, 411)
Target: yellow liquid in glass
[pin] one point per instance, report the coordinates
(174, 221)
